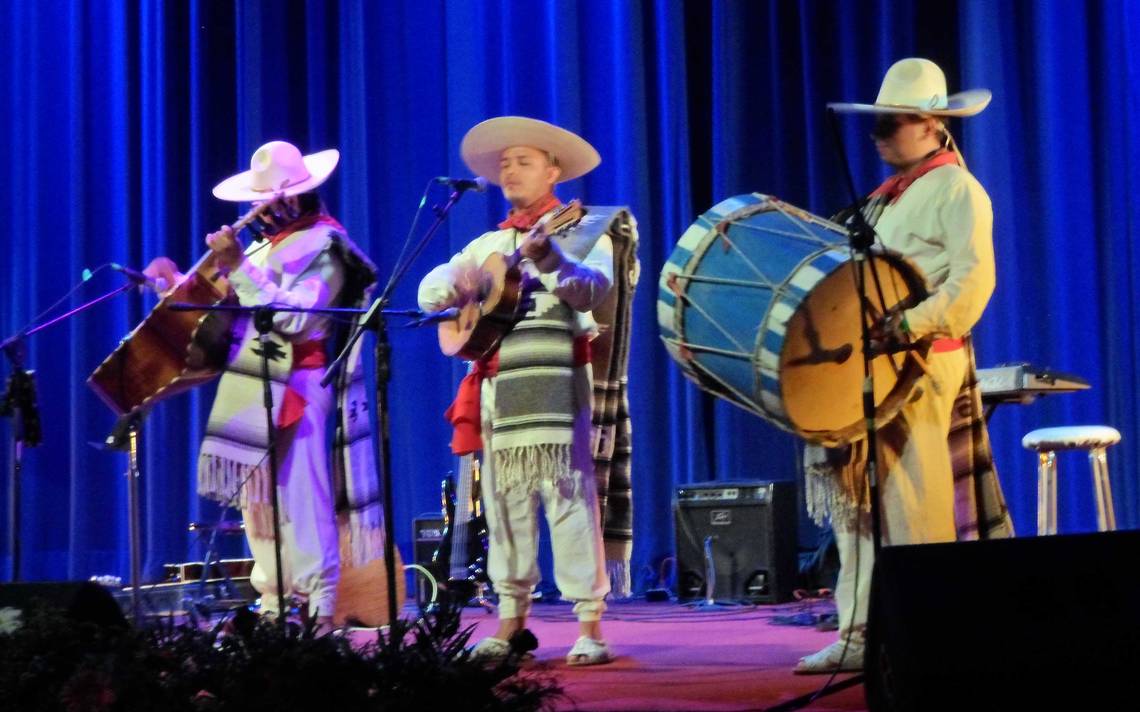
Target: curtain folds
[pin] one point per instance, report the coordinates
(120, 116)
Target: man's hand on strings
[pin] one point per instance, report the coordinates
(472, 283)
(536, 246)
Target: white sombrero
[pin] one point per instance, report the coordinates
(278, 168)
(486, 141)
(918, 86)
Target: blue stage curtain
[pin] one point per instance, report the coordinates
(118, 117)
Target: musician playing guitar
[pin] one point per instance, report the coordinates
(533, 406)
(305, 260)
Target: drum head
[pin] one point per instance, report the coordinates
(821, 365)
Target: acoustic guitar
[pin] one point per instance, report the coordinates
(489, 316)
(171, 352)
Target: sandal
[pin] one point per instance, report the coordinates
(587, 651)
(837, 657)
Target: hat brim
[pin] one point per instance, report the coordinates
(484, 144)
(238, 188)
(966, 103)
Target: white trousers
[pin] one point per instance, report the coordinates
(310, 548)
(572, 516)
(917, 491)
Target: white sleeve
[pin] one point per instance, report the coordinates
(316, 287)
(957, 304)
(437, 288)
(583, 285)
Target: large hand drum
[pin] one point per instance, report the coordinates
(758, 305)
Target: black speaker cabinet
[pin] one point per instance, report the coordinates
(81, 600)
(55, 594)
(749, 530)
(1030, 623)
(427, 531)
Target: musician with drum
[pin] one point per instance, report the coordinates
(304, 260)
(934, 213)
(531, 395)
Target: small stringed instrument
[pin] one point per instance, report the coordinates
(484, 320)
(440, 565)
(171, 352)
(459, 561)
(468, 560)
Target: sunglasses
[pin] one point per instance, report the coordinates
(887, 125)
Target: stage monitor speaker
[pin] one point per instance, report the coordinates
(81, 600)
(750, 529)
(427, 532)
(1031, 623)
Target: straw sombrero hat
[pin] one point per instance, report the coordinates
(486, 141)
(918, 86)
(278, 168)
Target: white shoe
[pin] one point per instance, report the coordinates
(587, 651)
(833, 658)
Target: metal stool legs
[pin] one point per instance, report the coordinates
(1046, 492)
(1105, 514)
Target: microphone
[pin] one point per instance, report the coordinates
(477, 184)
(436, 316)
(134, 275)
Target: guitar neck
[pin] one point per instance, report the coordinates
(553, 225)
(207, 264)
(464, 477)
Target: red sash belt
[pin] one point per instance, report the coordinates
(309, 354)
(463, 413)
(306, 355)
(941, 346)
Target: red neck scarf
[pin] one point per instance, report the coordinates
(304, 224)
(894, 186)
(525, 218)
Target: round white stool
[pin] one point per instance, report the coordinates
(1092, 438)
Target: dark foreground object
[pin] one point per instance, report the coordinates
(1031, 623)
(57, 661)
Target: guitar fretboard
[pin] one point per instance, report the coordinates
(463, 511)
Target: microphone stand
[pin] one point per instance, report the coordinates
(861, 238)
(374, 321)
(19, 403)
(263, 322)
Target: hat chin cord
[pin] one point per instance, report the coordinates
(950, 144)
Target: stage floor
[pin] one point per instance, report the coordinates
(670, 657)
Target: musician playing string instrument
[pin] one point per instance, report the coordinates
(306, 260)
(934, 212)
(535, 395)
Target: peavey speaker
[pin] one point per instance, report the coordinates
(747, 531)
(1039, 623)
(427, 532)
